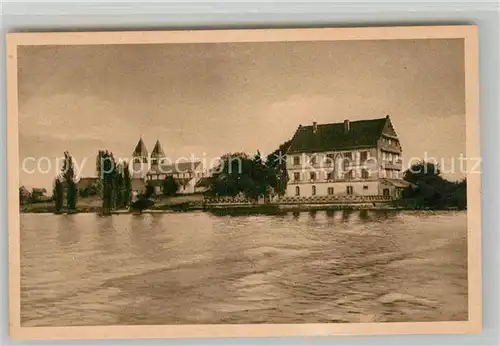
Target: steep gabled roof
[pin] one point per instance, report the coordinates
(140, 149)
(330, 137)
(157, 152)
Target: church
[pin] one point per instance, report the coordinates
(153, 169)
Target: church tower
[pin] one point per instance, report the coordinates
(157, 156)
(140, 160)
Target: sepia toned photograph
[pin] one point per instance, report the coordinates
(245, 178)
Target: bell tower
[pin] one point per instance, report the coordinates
(157, 156)
(140, 159)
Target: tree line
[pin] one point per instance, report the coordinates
(115, 184)
(242, 174)
(65, 186)
(250, 175)
(428, 189)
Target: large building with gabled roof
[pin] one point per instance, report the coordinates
(351, 158)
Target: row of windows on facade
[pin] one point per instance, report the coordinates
(365, 174)
(330, 190)
(389, 141)
(174, 175)
(363, 156)
(387, 156)
(329, 158)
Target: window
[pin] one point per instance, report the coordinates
(154, 161)
(296, 176)
(329, 176)
(365, 174)
(348, 175)
(312, 160)
(296, 160)
(350, 190)
(313, 190)
(365, 187)
(313, 175)
(385, 192)
(348, 156)
(330, 190)
(297, 191)
(364, 156)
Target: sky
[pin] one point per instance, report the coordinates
(210, 99)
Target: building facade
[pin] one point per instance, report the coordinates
(155, 168)
(358, 158)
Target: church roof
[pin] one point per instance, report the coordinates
(140, 149)
(330, 137)
(157, 151)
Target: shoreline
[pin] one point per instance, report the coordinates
(237, 209)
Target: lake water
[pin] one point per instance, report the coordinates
(189, 268)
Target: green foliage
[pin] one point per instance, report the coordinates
(237, 173)
(68, 174)
(106, 166)
(88, 191)
(142, 203)
(276, 161)
(58, 193)
(23, 196)
(119, 187)
(170, 186)
(37, 195)
(115, 180)
(71, 195)
(127, 185)
(150, 191)
(430, 190)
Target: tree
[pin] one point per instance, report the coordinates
(58, 193)
(106, 167)
(127, 185)
(142, 203)
(170, 186)
(238, 173)
(24, 195)
(119, 184)
(276, 161)
(68, 173)
(430, 190)
(150, 191)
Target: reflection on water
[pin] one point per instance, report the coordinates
(185, 268)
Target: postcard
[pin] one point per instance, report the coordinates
(244, 183)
